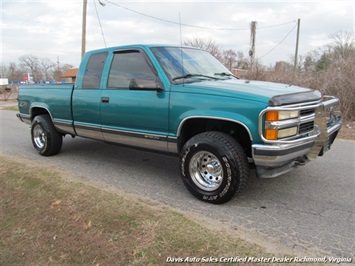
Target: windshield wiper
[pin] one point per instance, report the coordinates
(224, 74)
(187, 76)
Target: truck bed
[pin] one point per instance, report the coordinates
(56, 98)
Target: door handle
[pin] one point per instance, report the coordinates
(105, 99)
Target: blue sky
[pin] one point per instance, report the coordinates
(51, 28)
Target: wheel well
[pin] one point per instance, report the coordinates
(38, 111)
(196, 126)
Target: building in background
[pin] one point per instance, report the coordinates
(69, 76)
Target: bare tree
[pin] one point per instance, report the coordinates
(229, 58)
(14, 72)
(344, 45)
(3, 71)
(31, 64)
(242, 62)
(47, 67)
(209, 45)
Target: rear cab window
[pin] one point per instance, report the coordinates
(93, 71)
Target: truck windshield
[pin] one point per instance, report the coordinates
(189, 64)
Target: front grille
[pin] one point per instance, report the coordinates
(306, 127)
(307, 112)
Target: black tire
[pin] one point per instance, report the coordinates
(45, 138)
(214, 167)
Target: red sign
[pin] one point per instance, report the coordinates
(26, 76)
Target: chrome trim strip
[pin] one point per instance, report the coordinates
(141, 140)
(88, 131)
(294, 122)
(283, 123)
(64, 127)
(86, 126)
(131, 133)
(215, 118)
(172, 145)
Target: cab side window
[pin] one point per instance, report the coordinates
(93, 72)
(127, 68)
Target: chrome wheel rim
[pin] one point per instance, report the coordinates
(206, 171)
(39, 137)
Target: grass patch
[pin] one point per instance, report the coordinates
(45, 219)
(12, 108)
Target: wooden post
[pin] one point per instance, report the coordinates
(83, 32)
(297, 42)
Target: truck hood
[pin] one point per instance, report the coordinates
(274, 94)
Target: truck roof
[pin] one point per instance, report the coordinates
(135, 46)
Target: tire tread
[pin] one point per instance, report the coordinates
(54, 138)
(236, 152)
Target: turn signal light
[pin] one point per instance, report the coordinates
(271, 134)
(272, 116)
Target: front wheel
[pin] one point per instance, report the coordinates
(45, 138)
(214, 167)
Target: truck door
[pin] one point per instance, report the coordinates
(87, 98)
(134, 111)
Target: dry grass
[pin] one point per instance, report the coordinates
(46, 220)
(347, 131)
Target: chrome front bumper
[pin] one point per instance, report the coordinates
(273, 158)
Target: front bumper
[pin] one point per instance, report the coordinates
(273, 158)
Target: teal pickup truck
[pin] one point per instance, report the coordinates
(181, 100)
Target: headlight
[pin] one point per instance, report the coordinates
(275, 130)
(287, 132)
(281, 115)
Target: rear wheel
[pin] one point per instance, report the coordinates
(45, 138)
(214, 167)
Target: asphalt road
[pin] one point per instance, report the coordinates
(309, 210)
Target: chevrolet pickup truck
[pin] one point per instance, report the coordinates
(183, 101)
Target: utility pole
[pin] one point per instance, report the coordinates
(83, 32)
(297, 42)
(252, 43)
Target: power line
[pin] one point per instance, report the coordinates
(201, 27)
(277, 25)
(278, 42)
(189, 25)
(98, 18)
